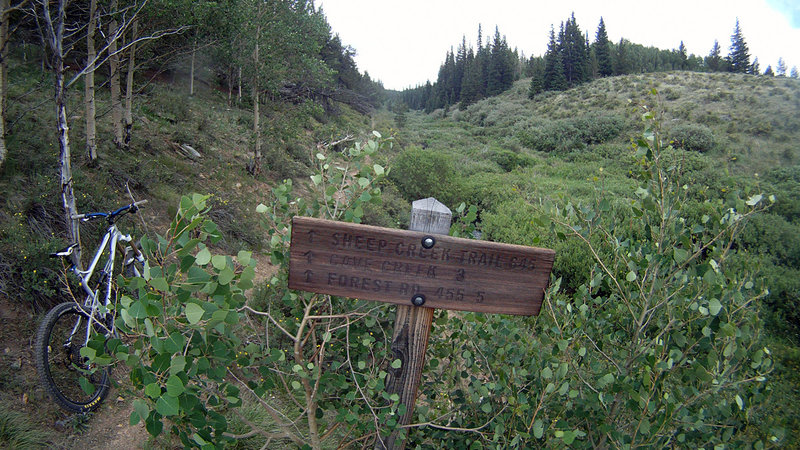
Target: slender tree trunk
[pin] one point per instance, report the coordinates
(129, 84)
(239, 81)
(113, 63)
(91, 113)
(55, 37)
(4, 7)
(256, 115)
(191, 70)
(230, 85)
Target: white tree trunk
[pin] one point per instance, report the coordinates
(55, 40)
(129, 84)
(256, 115)
(191, 70)
(114, 84)
(91, 113)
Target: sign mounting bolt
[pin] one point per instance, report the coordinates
(418, 300)
(428, 242)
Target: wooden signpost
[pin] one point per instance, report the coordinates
(419, 270)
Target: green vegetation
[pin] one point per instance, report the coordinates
(671, 319)
(17, 432)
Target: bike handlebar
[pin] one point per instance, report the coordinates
(110, 216)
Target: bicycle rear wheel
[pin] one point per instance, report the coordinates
(66, 374)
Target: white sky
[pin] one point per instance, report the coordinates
(403, 42)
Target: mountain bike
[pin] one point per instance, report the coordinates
(65, 337)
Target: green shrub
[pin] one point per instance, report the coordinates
(509, 160)
(572, 133)
(693, 137)
(419, 173)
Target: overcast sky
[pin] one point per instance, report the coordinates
(403, 42)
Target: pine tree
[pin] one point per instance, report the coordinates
(470, 85)
(572, 46)
(622, 65)
(554, 79)
(684, 58)
(780, 69)
(714, 59)
(739, 56)
(794, 73)
(769, 71)
(755, 68)
(537, 82)
(602, 51)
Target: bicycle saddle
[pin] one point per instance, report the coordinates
(66, 251)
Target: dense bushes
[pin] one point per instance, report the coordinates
(567, 134)
(419, 173)
(692, 136)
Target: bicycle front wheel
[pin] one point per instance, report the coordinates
(67, 376)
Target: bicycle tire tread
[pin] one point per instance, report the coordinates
(42, 363)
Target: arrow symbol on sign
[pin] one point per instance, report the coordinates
(308, 256)
(308, 274)
(311, 234)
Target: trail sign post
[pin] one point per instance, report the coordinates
(420, 269)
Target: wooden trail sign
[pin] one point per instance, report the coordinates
(419, 270)
(411, 267)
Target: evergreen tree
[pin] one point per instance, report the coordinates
(554, 79)
(471, 83)
(754, 68)
(501, 66)
(537, 82)
(602, 51)
(622, 64)
(714, 59)
(739, 56)
(781, 68)
(769, 71)
(572, 46)
(794, 73)
(683, 57)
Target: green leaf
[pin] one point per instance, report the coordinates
(261, 208)
(160, 284)
(631, 277)
(225, 276)
(174, 386)
(152, 390)
(296, 385)
(379, 170)
(86, 385)
(752, 201)
(137, 310)
(203, 257)
(396, 364)
(141, 409)
(714, 306)
(219, 262)
(680, 255)
(244, 257)
(538, 429)
(316, 179)
(194, 313)
(167, 405)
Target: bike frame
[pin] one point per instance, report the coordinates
(111, 240)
